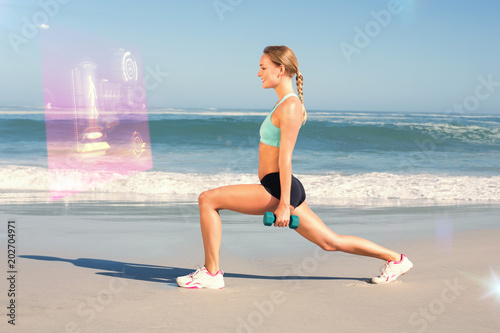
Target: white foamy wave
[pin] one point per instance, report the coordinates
(14, 177)
(372, 189)
(404, 189)
(469, 133)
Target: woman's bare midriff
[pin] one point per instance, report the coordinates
(268, 159)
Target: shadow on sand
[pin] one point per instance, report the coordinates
(164, 274)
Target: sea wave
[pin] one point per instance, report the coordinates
(399, 136)
(370, 189)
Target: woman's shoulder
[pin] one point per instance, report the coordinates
(291, 107)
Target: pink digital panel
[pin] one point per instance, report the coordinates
(95, 111)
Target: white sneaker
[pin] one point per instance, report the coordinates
(393, 269)
(202, 278)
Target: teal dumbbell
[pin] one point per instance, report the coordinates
(269, 219)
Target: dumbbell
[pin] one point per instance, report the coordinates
(270, 218)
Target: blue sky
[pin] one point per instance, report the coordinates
(427, 57)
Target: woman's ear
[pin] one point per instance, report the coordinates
(282, 70)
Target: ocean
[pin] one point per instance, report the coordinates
(342, 158)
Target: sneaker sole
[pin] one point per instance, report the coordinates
(389, 280)
(197, 286)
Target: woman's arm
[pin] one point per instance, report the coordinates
(290, 120)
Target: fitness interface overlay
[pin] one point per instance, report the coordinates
(95, 111)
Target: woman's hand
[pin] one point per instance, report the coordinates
(282, 215)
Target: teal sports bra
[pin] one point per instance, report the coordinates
(270, 134)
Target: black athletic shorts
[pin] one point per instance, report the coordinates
(272, 184)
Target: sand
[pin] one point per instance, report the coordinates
(114, 271)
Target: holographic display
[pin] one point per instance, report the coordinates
(95, 110)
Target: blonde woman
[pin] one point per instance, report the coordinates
(279, 192)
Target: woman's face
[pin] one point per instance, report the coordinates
(269, 73)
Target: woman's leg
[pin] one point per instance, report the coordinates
(312, 228)
(247, 199)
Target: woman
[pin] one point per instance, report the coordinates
(279, 192)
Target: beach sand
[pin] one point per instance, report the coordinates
(83, 268)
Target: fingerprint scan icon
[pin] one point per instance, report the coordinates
(129, 68)
(138, 145)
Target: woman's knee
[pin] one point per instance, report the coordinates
(204, 198)
(331, 243)
(327, 246)
(207, 199)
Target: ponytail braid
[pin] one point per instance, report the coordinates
(283, 55)
(300, 80)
